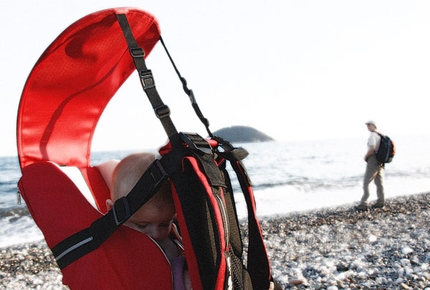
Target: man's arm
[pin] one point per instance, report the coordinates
(369, 152)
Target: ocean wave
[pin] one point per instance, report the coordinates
(9, 186)
(13, 213)
(310, 184)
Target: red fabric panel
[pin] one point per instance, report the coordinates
(98, 187)
(72, 82)
(127, 260)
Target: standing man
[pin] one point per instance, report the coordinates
(374, 170)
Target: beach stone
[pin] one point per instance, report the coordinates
(342, 267)
(407, 250)
(404, 286)
(297, 281)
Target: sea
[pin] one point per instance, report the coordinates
(295, 176)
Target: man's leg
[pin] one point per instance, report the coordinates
(379, 181)
(372, 168)
(368, 177)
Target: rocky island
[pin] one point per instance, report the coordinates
(242, 134)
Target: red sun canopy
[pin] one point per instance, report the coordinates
(73, 81)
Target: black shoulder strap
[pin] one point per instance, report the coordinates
(89, 239)
(161, 110)
(188, 91)
(258, 262)
(148, 83)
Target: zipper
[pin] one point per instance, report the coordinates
(224, 218)
(229, 277)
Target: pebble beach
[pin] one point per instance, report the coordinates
(331, 248)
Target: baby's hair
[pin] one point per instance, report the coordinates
(128, 172)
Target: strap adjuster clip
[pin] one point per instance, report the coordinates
(137, 52)
(162, 111)
(147, 79)
(158, 174)
(121, 210)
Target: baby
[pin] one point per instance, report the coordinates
(155, 217)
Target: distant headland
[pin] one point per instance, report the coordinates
(242, 134)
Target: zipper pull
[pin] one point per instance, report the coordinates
(18, 196)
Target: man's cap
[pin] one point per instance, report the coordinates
(371, 122)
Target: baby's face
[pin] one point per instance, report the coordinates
(153, 221)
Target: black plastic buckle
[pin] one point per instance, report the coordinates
(196, 142)
(158, 174)
(162, 112)
(121, 210)
(147, 79)
(137, 52)
(231, 152)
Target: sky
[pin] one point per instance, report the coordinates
(295, 70)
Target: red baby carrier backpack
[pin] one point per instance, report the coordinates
(61, 103)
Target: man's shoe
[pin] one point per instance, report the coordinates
(362, 207)
(378, 205)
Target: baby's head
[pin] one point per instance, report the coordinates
(155, 217)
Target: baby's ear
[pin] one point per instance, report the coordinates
(109, 204)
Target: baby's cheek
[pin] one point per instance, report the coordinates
(164, 233)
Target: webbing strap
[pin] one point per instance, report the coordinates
(161, 110)
(188, 91)
(257, 254)
(89, 239)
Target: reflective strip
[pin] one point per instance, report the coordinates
(72, 248)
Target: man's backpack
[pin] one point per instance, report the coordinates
(387, 149)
